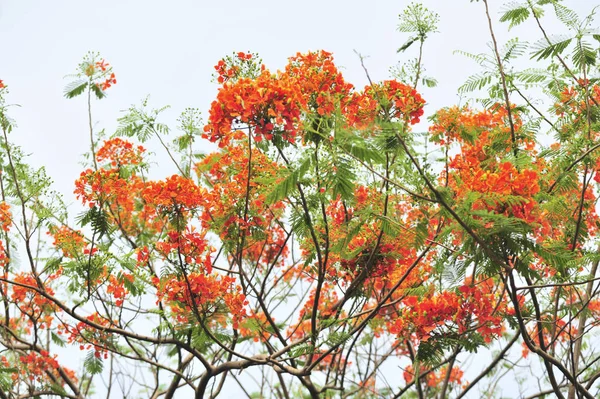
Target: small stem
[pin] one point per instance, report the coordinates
(89, 105)
(418, 74)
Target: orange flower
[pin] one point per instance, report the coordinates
(5, 216)
(120, 152)
(70, 242)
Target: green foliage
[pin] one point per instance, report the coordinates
(97, 91)
(515, 13)
(532, 76)
(430, 352)
(407, 44)
(453, 270)
(420, 22)
(513, 49)
(57, 389)
(336, 338)
(358, 147)
(341, 178)
(301, 350)
(6, 381)
(388, 226)
(543, 50)
(417, 19)
(476, 82)
(97, 219)
(584, 55)
(57, 340)
(300, 223)
(566, 15)
(93, 364)
(200, 339)
(141, 123)
(341, 246)
(289, 183)
(75, 88)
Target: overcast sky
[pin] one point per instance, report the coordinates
(167, 49)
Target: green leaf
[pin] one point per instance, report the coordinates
(52, 265)
(141, 123)
(57, 389)
(300, 224)
(289, 184)
(406, 45)
(57, 340)
(476, 82)
(584, 55)
(93, 364)
(201, 340)
(543, 50)
(98, 92)
(429, 82)
(513, 49)
(9, 370)
(421, 233)
(532, 76)
(454, 271)
(343, 179)
(566, 15)
(303, 349)
(342, 245)
(388, 226)
(6, 382)
(97, 219)
(430, 352)
(482, 59)
(338, 338)
(76, 88)
(515, 14)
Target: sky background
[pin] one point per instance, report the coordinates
(168, 49)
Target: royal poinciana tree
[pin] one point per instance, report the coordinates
(325, 249)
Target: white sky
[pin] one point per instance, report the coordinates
(168, 48)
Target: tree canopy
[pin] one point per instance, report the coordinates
(323, 248)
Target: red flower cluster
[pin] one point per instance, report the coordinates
(90, 337)
(5, 216)
(397, 101)
(30, 302)
(120, 152)
(234, 67)
(116, 287)
(174, 192)
(111, 80)
(435, 378)
(70, 242)
(321, 83)
(39, 367)
(276, 104)
(474, 307)
(267, 105)
(190, 245)
(210, 295)
(225, 212)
